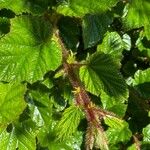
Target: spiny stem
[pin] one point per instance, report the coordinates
(92, 113)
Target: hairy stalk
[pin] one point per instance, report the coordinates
(136, 141)
(92, 113)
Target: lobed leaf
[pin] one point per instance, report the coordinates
(101, 74)
(112, 44)
(28, 51)
(69, 122)
(117, 127)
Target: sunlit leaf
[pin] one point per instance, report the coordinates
(80, 8)
(112, 44)
(143, 45)
(28, 51)
(142, 82)
(101, 73)
(137, 15)
(146, 133)
(19, 138)
(19, 6)
(117, 127)
(12, 102)
(69, 122)
(126, 42)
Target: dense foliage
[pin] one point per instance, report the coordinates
(74, 74)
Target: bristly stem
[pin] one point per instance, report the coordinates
(92, 112)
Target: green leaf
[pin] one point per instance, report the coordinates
(68, 95)
(79, 8)
(69, 122)
(141, 77)
(71, 38)
(101, 73)
(27, 52)
(48, 83)
(112, 44)
(48, 138)
(146, 133)
(8, 140)
(132, 147)
(12, 102)
(19, 6)
(126, 42)
(117, 127)
(57, 98)
(74, 142)
(94, 27)
(116, 105)
(141, 82)
(56, 146)
(137, 15)
(19, 138)
(143, 45)
(41, 108)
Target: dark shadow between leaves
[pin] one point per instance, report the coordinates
(144, 90)
(137, 112)
(145, 146)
